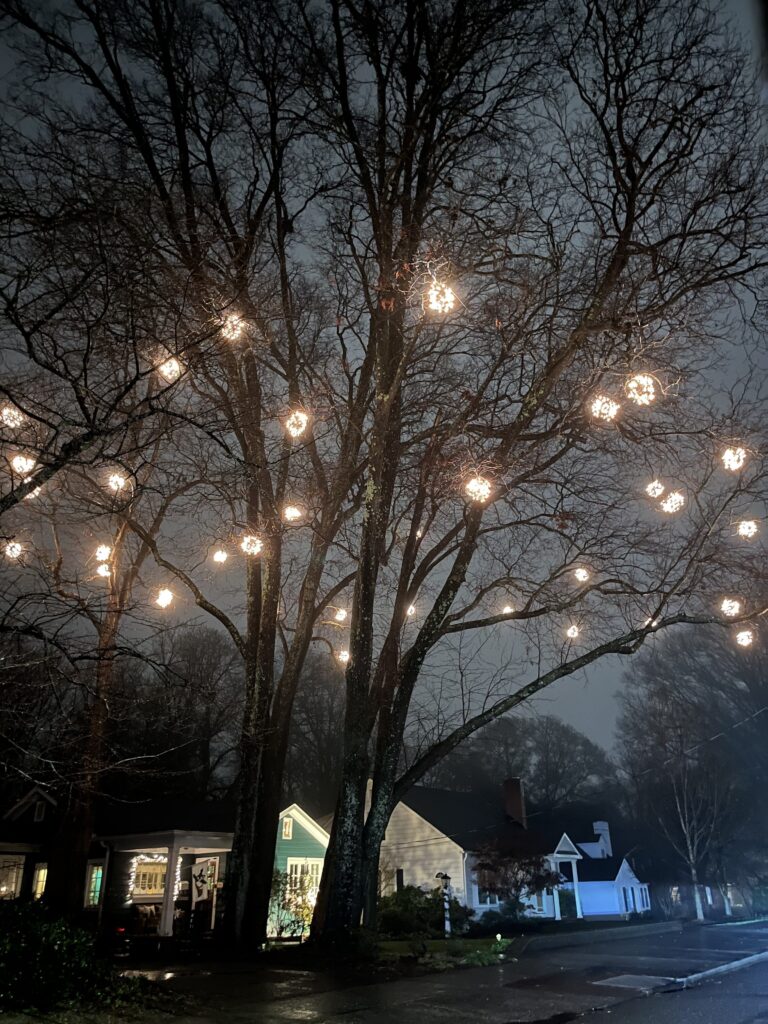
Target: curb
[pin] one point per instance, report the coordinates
(555, 941)
(729, 968)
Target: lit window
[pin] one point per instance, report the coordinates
(287, 828)
(11, 870)
(486, 898)
(38, 880)
(93, 883)
(150, 880)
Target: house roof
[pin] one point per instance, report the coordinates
(473, 822)
(599, 869)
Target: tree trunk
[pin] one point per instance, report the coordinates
(65, 883)
(697, 895)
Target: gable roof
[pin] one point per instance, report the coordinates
(474, 821)
(310, 824)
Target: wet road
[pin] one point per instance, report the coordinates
(553, 986)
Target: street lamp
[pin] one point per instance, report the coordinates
(446, 884)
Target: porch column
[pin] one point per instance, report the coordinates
(556, 894)
(576, 892)
(169, 894)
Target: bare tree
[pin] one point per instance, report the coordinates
(420, 252)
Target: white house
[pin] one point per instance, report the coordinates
(434, 831)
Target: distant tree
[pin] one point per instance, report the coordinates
(688, 764)
(558, 764)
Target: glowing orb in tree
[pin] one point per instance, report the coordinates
(164, 598)
(291, 513)
(340, 615)
(730, 607)
(747, 528)
(12, 417)
(116, 482)
(655, 489)
(572, 632)
(103, 551)
(581, 575)
(604, 408)
(34, 492)
(440, 298)
(734, 458)
(745, 637)
(410, 610)
(296, 423)
(220, 556)
(343, 656)
(507, 609)
(251, 545)
(170, 370)
(103, 570)
(673, 502)
(13, 549)
(478, 489)
(641, 389)
(23, 464)
(233, 327)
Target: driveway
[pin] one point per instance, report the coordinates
(548, 986)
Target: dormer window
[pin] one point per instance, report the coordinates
(287, 828)
(39, 810)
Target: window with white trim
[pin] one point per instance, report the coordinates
(39, 810)
(486, 898)
(94, 880)
(150, 879)
(11, 871)
(304, 872)
(39, 879)
(287, 828)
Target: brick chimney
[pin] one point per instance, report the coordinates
(514, 801)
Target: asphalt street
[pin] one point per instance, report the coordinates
(616, 977)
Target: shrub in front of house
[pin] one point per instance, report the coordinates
(413, 912)
(46, 963)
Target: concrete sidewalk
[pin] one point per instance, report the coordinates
(538, 988)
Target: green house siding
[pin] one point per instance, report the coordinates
(301, 845)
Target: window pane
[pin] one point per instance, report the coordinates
(39, 880)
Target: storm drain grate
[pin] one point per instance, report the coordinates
(640, 982)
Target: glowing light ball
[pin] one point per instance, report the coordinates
(291, 513)
(747, 528)
(164, 598)
(170, 370)
(745, 637)
(604, 408)
(23, 464)
(11, 417)
(734, 458)
(296, 423)
(13, 549)
(673, 502)
(572, 632)
(655, 489)
(641, 389)
(650, 622)
(507, 609)
(116, 482)
(581, 575)
(440, 298)
(233, 327)
(478, 489)
(340, 615)
(419, 534)
(410, 610)
(220, 556)
(730, 606)
(34, 492)
(103, 551)
(251, 545)
(103, 570)
(343, 656)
